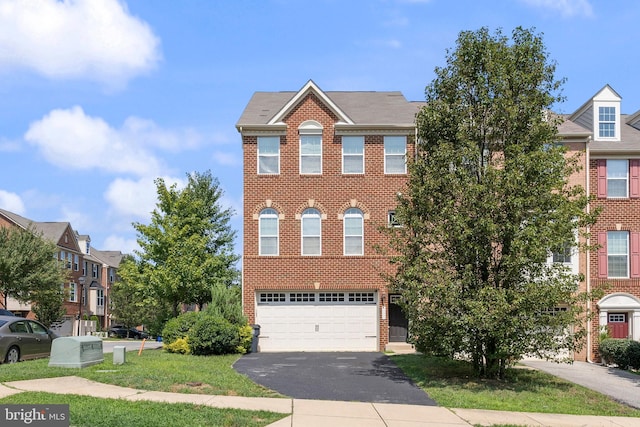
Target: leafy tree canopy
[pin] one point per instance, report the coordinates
(188, 246)
(488, 200)
(29, 270)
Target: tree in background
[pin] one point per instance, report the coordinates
(487, 202)
(30, 271)
(188, 246)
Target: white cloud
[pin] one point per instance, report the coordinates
(95, 40)
(8, 145)
(70, 139)
(566, 8)
(11, 202)
(136, 198)
(79, 221)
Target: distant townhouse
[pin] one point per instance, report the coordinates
(321, 174)
(612, 165)
(92, 274)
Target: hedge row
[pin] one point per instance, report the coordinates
(623, 352)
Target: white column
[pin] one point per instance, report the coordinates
(635, 326)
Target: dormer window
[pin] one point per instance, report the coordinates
(607, 122)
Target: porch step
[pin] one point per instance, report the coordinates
(400, 348)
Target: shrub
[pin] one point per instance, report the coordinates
(181, 346)
(634, 354)
(246, 337)
(623, 352)
(213, 335)
(179, 327)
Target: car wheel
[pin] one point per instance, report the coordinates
(13, 355)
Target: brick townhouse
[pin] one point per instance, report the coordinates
(613, 169)
(321, 175)
(91, 273)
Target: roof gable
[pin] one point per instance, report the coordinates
(308, 88)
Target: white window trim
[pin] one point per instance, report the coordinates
(277, 235)
(626, 178)
(404, 172)
(351, 213)
(267, 155)
(302, 234)
(627, 255)
(596, 120)
(353, 155)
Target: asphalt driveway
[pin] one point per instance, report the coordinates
(359, 377)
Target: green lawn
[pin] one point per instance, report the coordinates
(95, 411)
(153, 370)
(451, 384)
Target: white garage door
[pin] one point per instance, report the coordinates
(317, 321)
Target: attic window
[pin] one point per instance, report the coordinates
(607, 122)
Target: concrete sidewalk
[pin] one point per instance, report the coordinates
(315, 413)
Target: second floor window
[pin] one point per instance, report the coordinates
(311, 232)
(268, 229)
(353, 154)
(563, 255)
(617, 178)
(268, 155)
(100, 298)
(310, 154)
(76, 262)
(395, 152)
(353, 232)
(84, 268)
(618, 253)
(94, 272)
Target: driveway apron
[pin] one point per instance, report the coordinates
(358, 377)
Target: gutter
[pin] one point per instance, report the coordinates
(588, 256)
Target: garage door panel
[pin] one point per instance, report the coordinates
(317, 327)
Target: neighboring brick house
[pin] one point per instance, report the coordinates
(321, 174)
(69, 254)
(93, 272)
(613, 168)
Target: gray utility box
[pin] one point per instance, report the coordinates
(76, 352)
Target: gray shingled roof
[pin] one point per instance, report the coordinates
(52, 231)
(364, 108)
(111, 258)
(629, 137)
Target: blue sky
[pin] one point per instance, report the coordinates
(99, 98)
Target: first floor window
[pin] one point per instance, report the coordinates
(563, 255)
(73, 292)
(353, 232)
(311, 232)
(268, 229)
(100, 297)
(618, 253)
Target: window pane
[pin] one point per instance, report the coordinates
(268, 145)
(617, 168)
(268, 226)
(311, 246)
(395, 164)
(311, 226)
(352, 144)
(268, 164)
(353, 164)
(353, 226)
(310, 164)
(268, 246)
(395, 145)
(310, 144)
(353, 245)
(617, 188)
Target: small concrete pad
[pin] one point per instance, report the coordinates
(335, 409)
(272, 404)
(74, 385)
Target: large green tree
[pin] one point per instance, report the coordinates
(29, 270)
(188, 246)
(488, 200)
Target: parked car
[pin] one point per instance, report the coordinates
(22, 339)
(4, 312)
(122, 332)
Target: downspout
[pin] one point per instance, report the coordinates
(588, 256)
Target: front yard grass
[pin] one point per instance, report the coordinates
(153, 370)
(451, 384)
(94, 411)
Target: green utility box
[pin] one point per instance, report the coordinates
(76, 352)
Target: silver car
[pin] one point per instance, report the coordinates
(22, 339)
